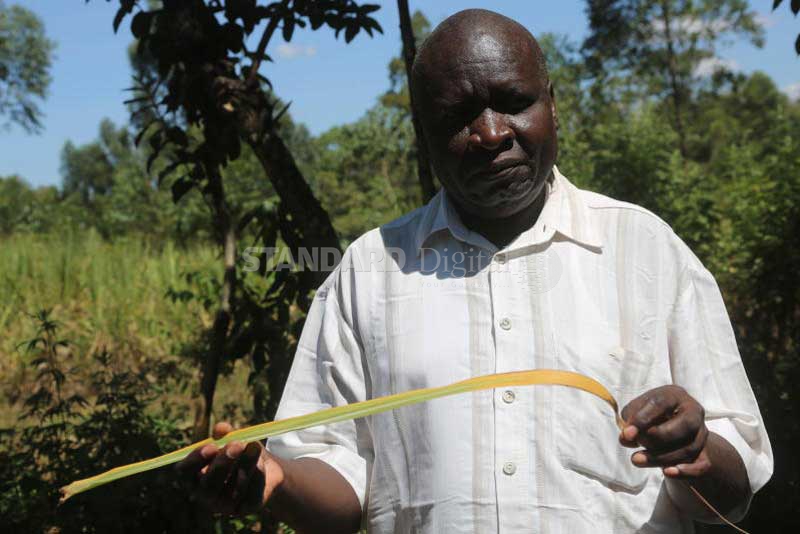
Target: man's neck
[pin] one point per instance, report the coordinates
(501, 232)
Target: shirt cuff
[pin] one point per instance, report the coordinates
(757, 473)
(347, 463)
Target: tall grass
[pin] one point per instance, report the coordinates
(112, 288)
(104, 295)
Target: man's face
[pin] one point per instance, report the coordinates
(490, 120)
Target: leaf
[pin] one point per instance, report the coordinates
(369, 8)
(797, 45)
(126, 6)
(157, 140)
(233, 36)
(137, 99)
(166, 171)
(177, 136)
(372, 23)
(152, 158)
(353, 411)
(180, 187)
(795, 6)
(281, 113)
(316, 20)
(288, 27)
(350, 33)
(775, 4)
(140, 24)
(118, 18)
(142, 131)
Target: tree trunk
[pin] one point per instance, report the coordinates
(312, 225)
(672, 70)
(222, 320)
(409, 52)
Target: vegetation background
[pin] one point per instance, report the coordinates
(129, 324)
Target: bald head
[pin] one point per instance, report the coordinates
(481, 91)
(471, 33)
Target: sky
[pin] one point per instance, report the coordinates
(327, 81)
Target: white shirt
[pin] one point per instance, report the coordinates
(597, 286)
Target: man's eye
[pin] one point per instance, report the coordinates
(517, 105)
(514, 103)
(455, 118)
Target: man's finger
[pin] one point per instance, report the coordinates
(190, 466)
(658, 407)
(220, 469)
(627, 437)
(695, 469)
(250, 456)
(245, 470)
(682, 455)
(631, 408)
(220, 429)
(673, 433)
(253, 494)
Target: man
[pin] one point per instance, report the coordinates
(510, 267)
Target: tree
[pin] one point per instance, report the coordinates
(25, 58)
(205, 100)
(659, 46)
(87, 171)
(364, 182)
(397, 96)
(424, 170)
(16, 198)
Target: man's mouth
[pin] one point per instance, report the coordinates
(502, 169)
(502, 176)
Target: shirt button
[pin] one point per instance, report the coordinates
(505, 323)
(500, 258)
(509, 468)
(508, 396)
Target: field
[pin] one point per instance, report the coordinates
(105, 296)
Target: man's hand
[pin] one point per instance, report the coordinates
(236, 479)
(670, 425)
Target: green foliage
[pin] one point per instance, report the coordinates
(185, 54)
(61, 435)
(107, 292)
(653, 40)
(16, 203)
(397, 97)
(364, 183)
(25, 58)
(662, 51)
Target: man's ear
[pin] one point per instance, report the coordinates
(553, 110)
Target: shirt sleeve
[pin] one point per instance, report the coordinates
(706, 362)
(327, 371)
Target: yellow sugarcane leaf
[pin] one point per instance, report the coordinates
(370, 407)
(353, 411)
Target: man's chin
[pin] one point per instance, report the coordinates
(500, 206)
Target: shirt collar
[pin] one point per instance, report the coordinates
(565, 212)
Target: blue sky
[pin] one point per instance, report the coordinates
(327, 81)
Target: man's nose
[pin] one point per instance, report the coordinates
(489, 131)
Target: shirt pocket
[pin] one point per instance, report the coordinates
(587, 437)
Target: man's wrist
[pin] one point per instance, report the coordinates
(724, 484)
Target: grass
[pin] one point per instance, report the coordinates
(104, 294)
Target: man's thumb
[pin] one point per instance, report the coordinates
(220, 429)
